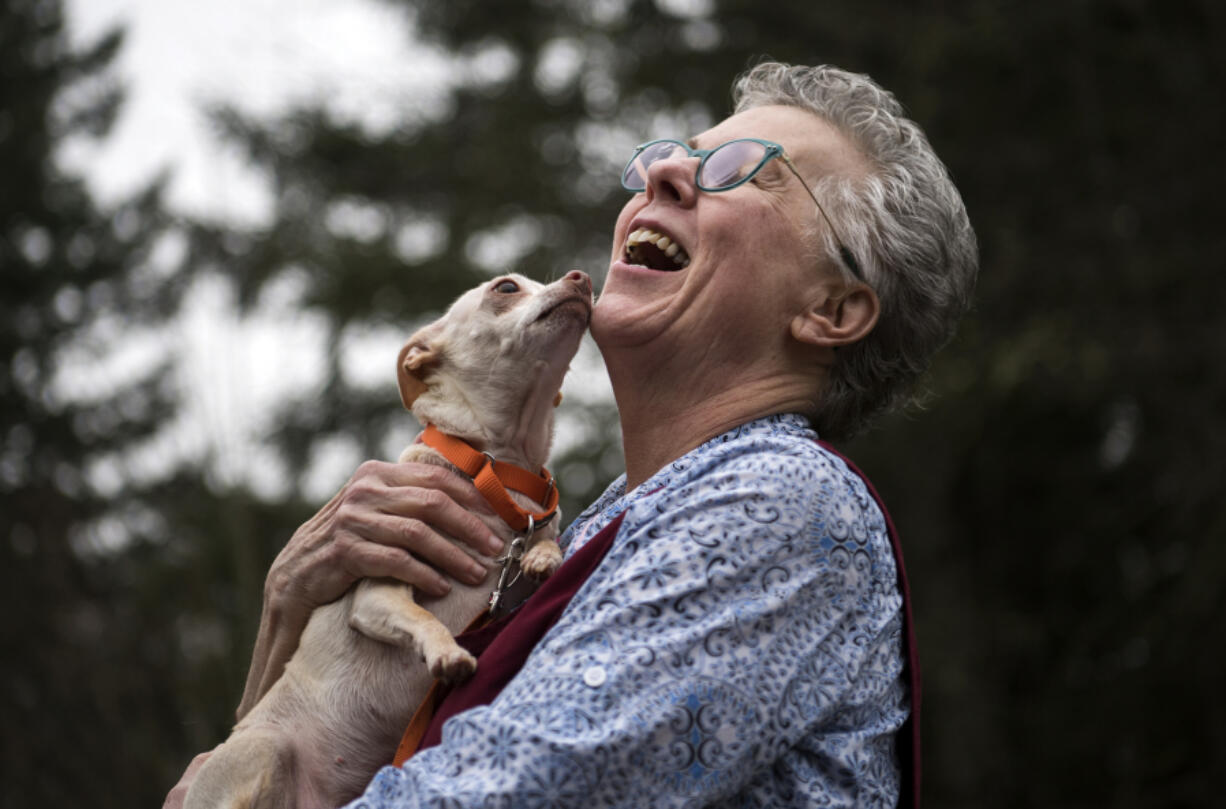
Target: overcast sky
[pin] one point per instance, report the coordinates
(262, 55)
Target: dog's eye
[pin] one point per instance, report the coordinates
(507, 287)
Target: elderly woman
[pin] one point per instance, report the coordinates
(785, 275)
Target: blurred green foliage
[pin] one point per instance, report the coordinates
(1060, 496)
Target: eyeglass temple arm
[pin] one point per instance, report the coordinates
(844, 253)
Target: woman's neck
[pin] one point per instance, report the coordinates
(671, 420)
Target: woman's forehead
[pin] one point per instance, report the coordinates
(769, 123)
(805, 136)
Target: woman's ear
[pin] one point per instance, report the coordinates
(838, 317)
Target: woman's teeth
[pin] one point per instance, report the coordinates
(648, 248)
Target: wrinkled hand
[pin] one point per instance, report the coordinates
(388, 521)
(174, 798)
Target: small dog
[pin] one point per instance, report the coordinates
(488, 372)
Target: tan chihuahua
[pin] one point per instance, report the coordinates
(488, 372)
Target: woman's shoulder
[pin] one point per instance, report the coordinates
(771, 476)
(776, 454)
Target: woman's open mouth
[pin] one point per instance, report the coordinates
(648, 248)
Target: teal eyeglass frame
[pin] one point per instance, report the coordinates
(772, 150)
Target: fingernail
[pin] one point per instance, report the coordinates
(496, 545)
(476, 573)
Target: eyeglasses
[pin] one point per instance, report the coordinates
(722, 169)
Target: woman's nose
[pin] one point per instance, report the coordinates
(672, 180)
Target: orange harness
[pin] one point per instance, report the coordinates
(493, 479)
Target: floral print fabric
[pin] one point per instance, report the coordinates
(740, 645)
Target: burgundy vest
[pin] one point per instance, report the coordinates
(503, 646)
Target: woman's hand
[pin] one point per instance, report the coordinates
(388, 521)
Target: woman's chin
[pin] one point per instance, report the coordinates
(622, 318)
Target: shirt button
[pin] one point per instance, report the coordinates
(595, 676)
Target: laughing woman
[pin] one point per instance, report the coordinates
(737, 634)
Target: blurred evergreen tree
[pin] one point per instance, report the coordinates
(104, 669)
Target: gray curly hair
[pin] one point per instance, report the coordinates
(905, 224)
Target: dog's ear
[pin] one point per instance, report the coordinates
(417, 357)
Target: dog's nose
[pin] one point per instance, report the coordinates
(580, 279)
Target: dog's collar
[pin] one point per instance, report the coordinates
(493, 479)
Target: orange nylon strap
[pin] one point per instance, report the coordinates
(493, 478)
(420, 723)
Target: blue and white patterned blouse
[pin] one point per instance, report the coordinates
(740, 645)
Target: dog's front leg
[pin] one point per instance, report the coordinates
(542, 559)
(385, 611)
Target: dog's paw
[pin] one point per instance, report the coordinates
(451, 665)
(541, 560)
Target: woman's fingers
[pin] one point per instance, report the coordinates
(398, 521)
(398, 534)
(446, 501)
(389, 520)
(372, 560)
(437, 478)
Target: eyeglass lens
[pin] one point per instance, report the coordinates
(635, 175)
(731, 164)
(726, 166)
